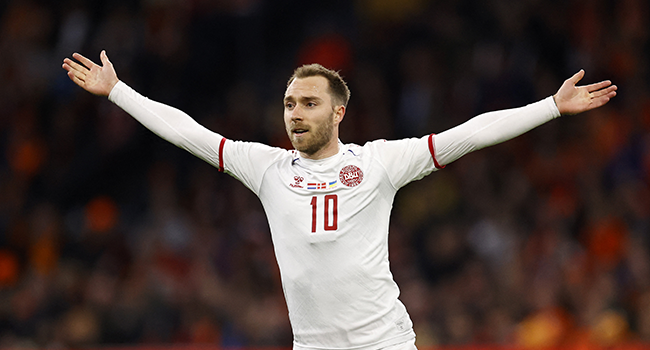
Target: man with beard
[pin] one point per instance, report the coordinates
(328, 204)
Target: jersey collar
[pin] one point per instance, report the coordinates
(320, 163)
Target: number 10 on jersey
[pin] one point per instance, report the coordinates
(328, 215)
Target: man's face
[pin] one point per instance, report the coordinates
(310, 118)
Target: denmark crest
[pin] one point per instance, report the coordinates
(351, 175)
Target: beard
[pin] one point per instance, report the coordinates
(315, 139)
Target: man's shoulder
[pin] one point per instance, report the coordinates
(256, 155)
(391, 151)
(368, 151)
(260, 147)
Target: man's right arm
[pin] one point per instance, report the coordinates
(246, 161)
(170, 123)
(165, 121)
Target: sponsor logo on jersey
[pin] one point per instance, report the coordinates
(351, 175)
(297, 181)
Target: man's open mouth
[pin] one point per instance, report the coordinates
(299, 132)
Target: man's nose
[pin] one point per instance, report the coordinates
(296, 113)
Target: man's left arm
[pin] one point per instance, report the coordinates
(495, 127)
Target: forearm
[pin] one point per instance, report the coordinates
(492, 128)
(168, 122)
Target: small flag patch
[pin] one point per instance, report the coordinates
(316, 185)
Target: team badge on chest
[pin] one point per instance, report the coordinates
(351, 175)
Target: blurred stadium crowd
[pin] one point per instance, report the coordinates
(110, 235)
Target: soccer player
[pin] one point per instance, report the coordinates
(328, 204)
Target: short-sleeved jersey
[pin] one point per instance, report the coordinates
(329, 223)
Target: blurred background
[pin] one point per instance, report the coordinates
(109, 236)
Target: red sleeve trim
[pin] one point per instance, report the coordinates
(432, 150)
(223, 142)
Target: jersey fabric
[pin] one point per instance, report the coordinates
(329, 218)
(329, 222)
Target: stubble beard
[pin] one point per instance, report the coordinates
(317, 138)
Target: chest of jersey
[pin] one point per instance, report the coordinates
(326, 202)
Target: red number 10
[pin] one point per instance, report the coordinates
(334, 200)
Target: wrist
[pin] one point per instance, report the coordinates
(113, 90)
(111, 86)
(554, 106)
(555, 101)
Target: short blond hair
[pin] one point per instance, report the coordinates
(338, 87)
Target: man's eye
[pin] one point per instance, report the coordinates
(288, 105)
(311, 104)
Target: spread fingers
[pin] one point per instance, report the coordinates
(74, 66)
(85, 61)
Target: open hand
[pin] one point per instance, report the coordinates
(95, 79)
(572, 99)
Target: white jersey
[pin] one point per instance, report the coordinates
(329, 218)
(329, 223)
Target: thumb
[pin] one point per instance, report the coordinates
(577, 77)
(104, 58)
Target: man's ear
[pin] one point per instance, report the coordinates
(339, 113)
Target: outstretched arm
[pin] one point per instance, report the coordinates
(495, 127)
(95, 79)
(247, 161)
(165, 121)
